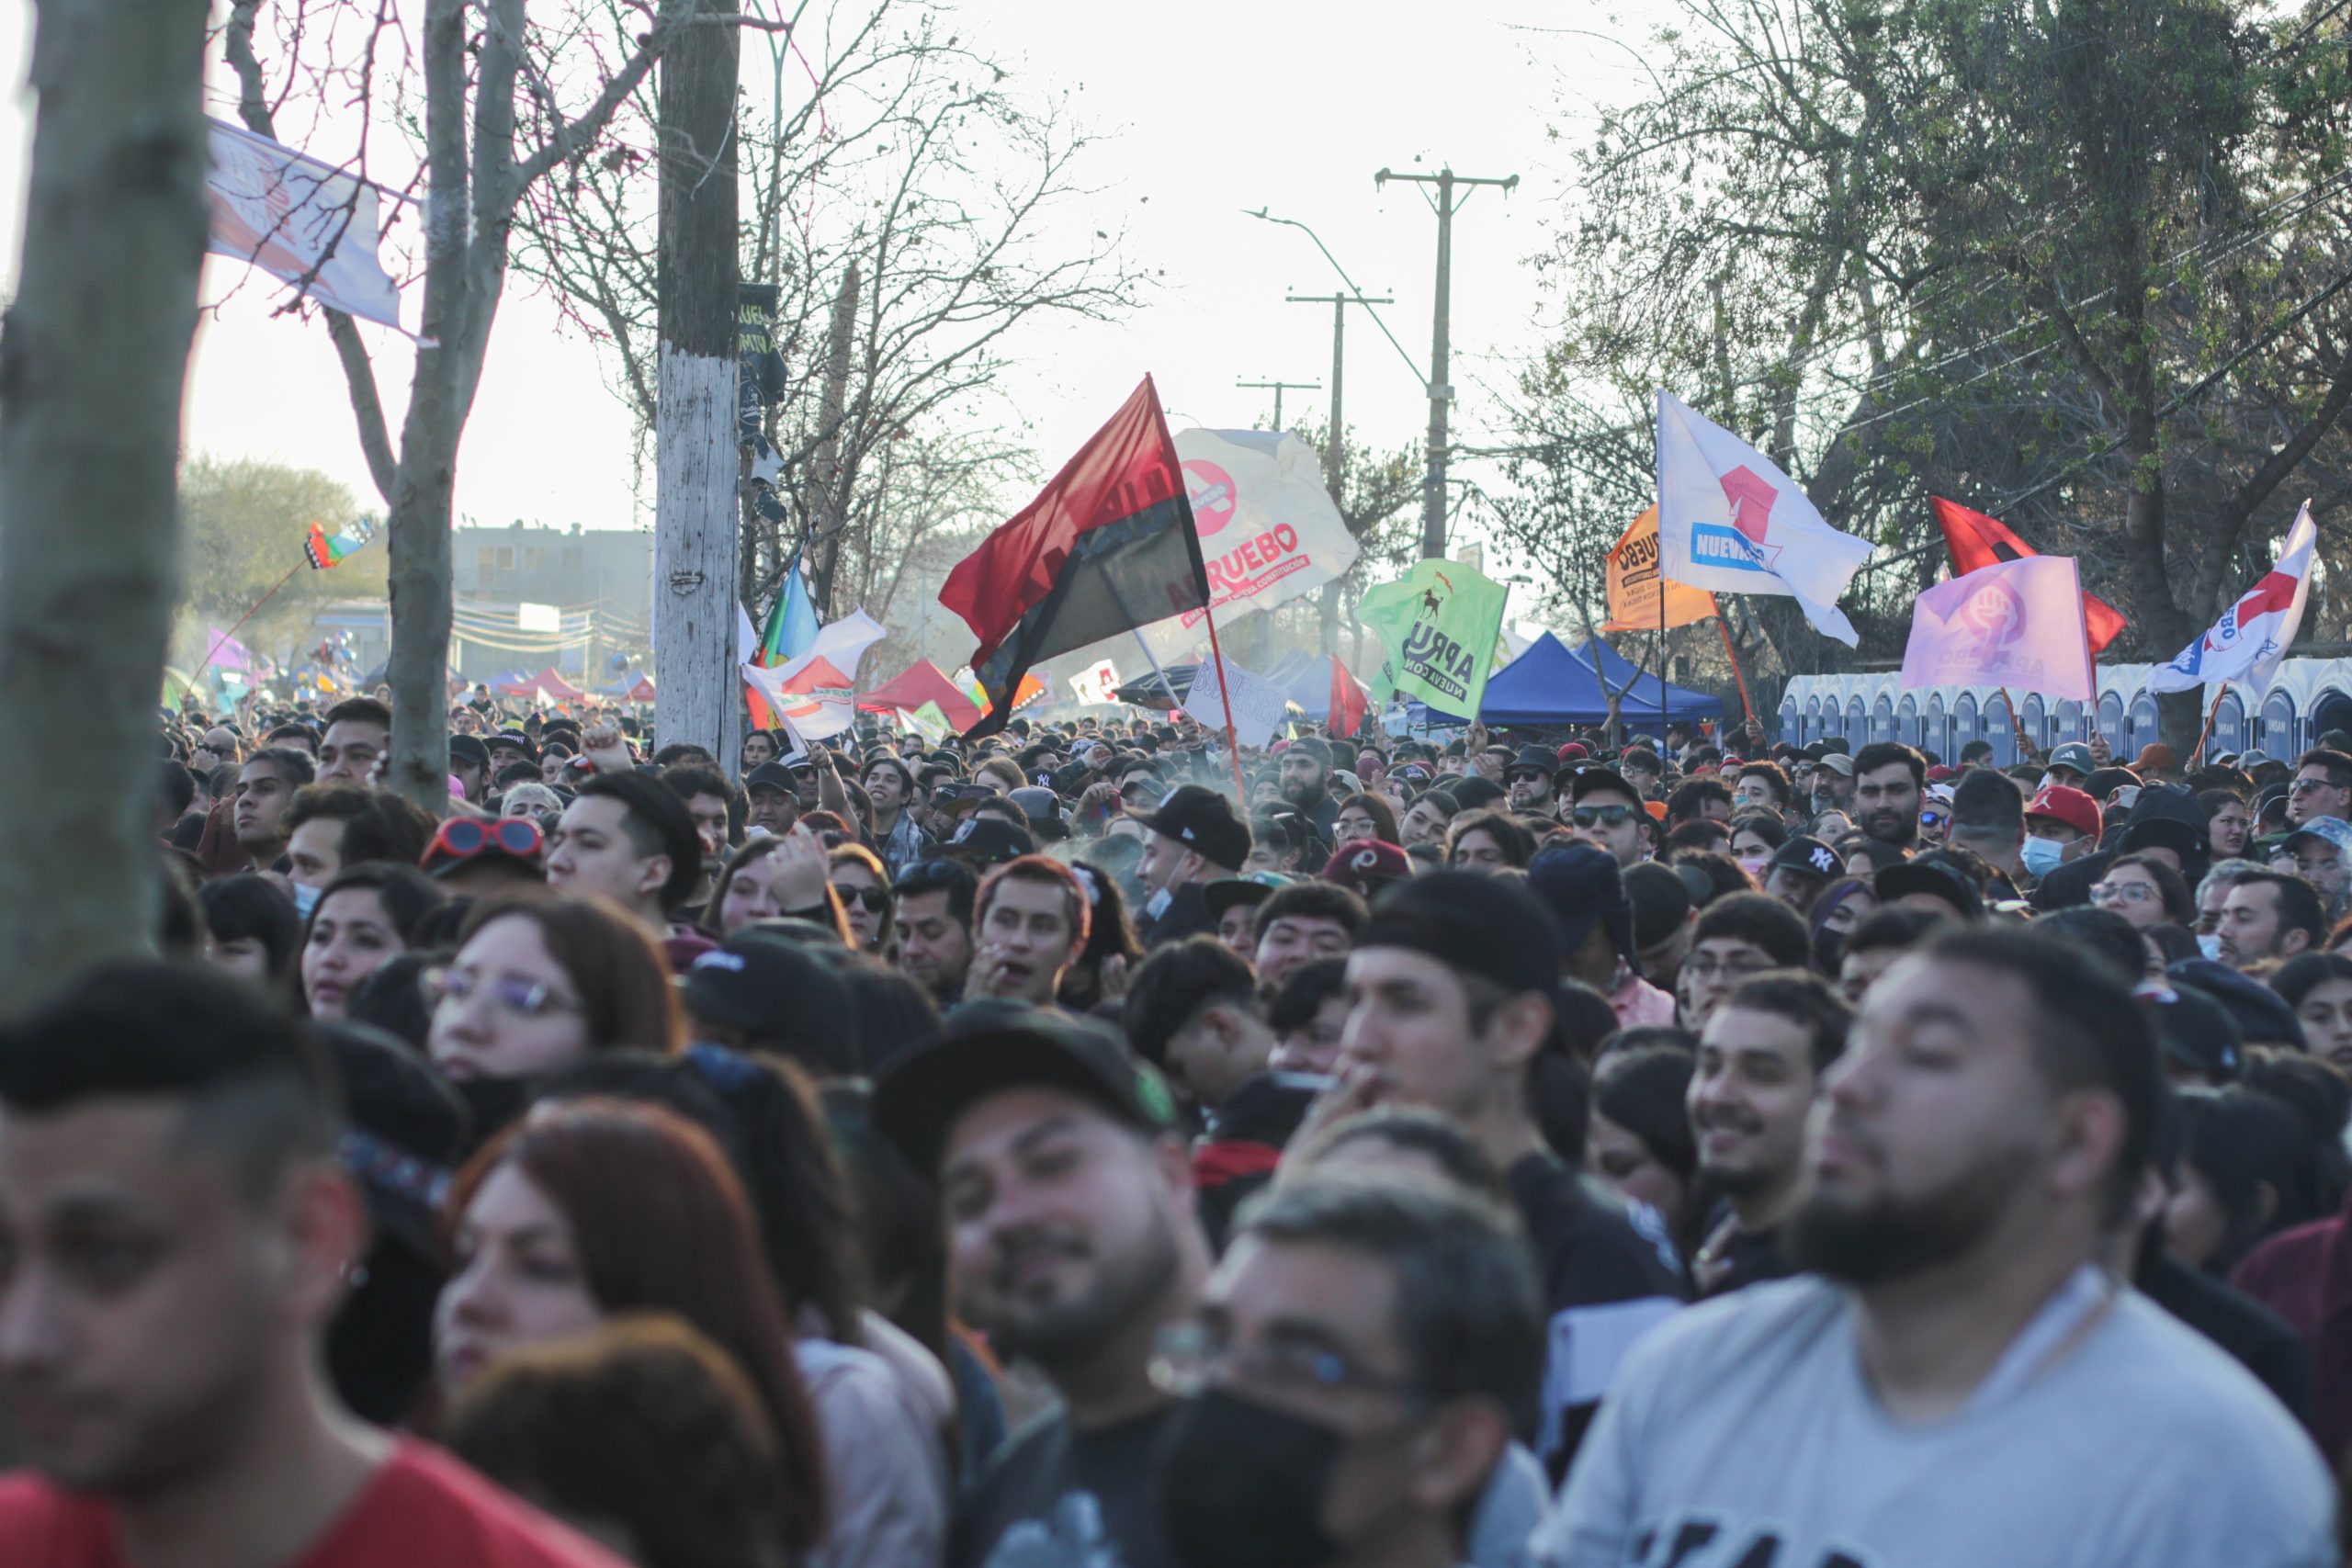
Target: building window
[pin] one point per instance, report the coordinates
(507, 557)
(572, 557)
(535, 557)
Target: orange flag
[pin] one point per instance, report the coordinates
(1634, 585)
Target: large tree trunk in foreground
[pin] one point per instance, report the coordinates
(90, 366)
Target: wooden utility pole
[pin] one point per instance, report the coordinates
(1441, 344)
(91, 371)
(1278, 387)
(695, 444)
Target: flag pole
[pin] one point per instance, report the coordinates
(2197, 757)
(1232, 742)
(1728, 653)
(186, 689)
(2016, 734)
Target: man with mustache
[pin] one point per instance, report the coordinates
(1071, 1228)
(1760, 1062)
(1888, 780)
(1958, 1381)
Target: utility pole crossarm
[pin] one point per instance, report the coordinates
(1440, 344)
(1277, 388)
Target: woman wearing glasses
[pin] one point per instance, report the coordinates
(2145, 892)
(538, 984)
(864, 890)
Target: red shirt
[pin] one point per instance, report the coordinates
(421, 1507)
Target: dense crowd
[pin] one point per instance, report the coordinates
(1031, 1154)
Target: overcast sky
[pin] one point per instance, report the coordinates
(1207, 107)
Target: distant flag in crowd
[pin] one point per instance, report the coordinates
(2254, 634)
(301, 220)
(791, 628)
(1269, 529)
(1977, 541)
(1347, 703)
(1730, 521)
(1441, 622)
(2015, 622)
(323, 550)
(1107, 546)
(1640, 598)
(929, 722)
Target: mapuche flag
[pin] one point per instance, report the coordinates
(1977, 541)
(1108, 546)
(325, 551)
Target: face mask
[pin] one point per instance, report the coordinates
(1242, 1486)
(2043, 856)
(1754, 864)
(306, 898)
(2127, 798)
(2210, 946)
(1156, 905)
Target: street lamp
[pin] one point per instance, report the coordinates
(1265, 216)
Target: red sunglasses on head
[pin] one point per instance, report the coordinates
(463, 838)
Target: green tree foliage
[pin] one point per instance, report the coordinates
(245, 520)
(2085, 264)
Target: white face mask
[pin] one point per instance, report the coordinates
(2209, 945)
(306, 898)
(1156, 905)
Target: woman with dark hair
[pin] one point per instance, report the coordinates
(1836, 910)
(600, 1207)
(863, 886)
(2144, 891)
(1754, 836)
(1363, 816)
(641, 1432)
(251, 928)
(1099, 972)
(1641, 1141)
(2246, 1172)
(1486, 842)
(2318, 985)
(2168, 944)
(539, 984)
(784, 874)
(2228, 823)
(368, 914)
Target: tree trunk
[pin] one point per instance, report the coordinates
(439, 394)
(827, 507)
(91, 368)
(697, 451)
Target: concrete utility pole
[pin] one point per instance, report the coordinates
(1335, 442)
(696, 438)
(1335, 446)
(1278, 386)
(1440, 344)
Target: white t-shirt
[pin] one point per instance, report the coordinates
(1743, 1433)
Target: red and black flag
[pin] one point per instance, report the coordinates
(1976, 540)
(1106, 548)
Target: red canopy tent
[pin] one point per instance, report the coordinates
(557, 687)
(918, 683)
(642, 692)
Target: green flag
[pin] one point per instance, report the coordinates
(1438, 624)
(929, 722)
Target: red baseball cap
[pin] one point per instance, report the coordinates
(2072, 807)
(1939, 773)
(1573, 749)
(1364, 867)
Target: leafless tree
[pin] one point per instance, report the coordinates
(497, 97)
(900, 186)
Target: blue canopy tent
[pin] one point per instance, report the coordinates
(1550, 685)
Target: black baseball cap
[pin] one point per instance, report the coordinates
(993, 1049)
(988, 841)
(1594, 780)
(1198, 817)
(514, 738)
(774, 988)
(1931, 878)
(2194, 1029)
(770, 775)
(1489, 926)
(1227, 891)
(1808, 856)
(468, 749)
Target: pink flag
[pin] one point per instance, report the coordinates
(2016, 623)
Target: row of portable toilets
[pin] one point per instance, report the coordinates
(2310, 697)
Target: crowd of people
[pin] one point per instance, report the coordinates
(1532, 1150)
